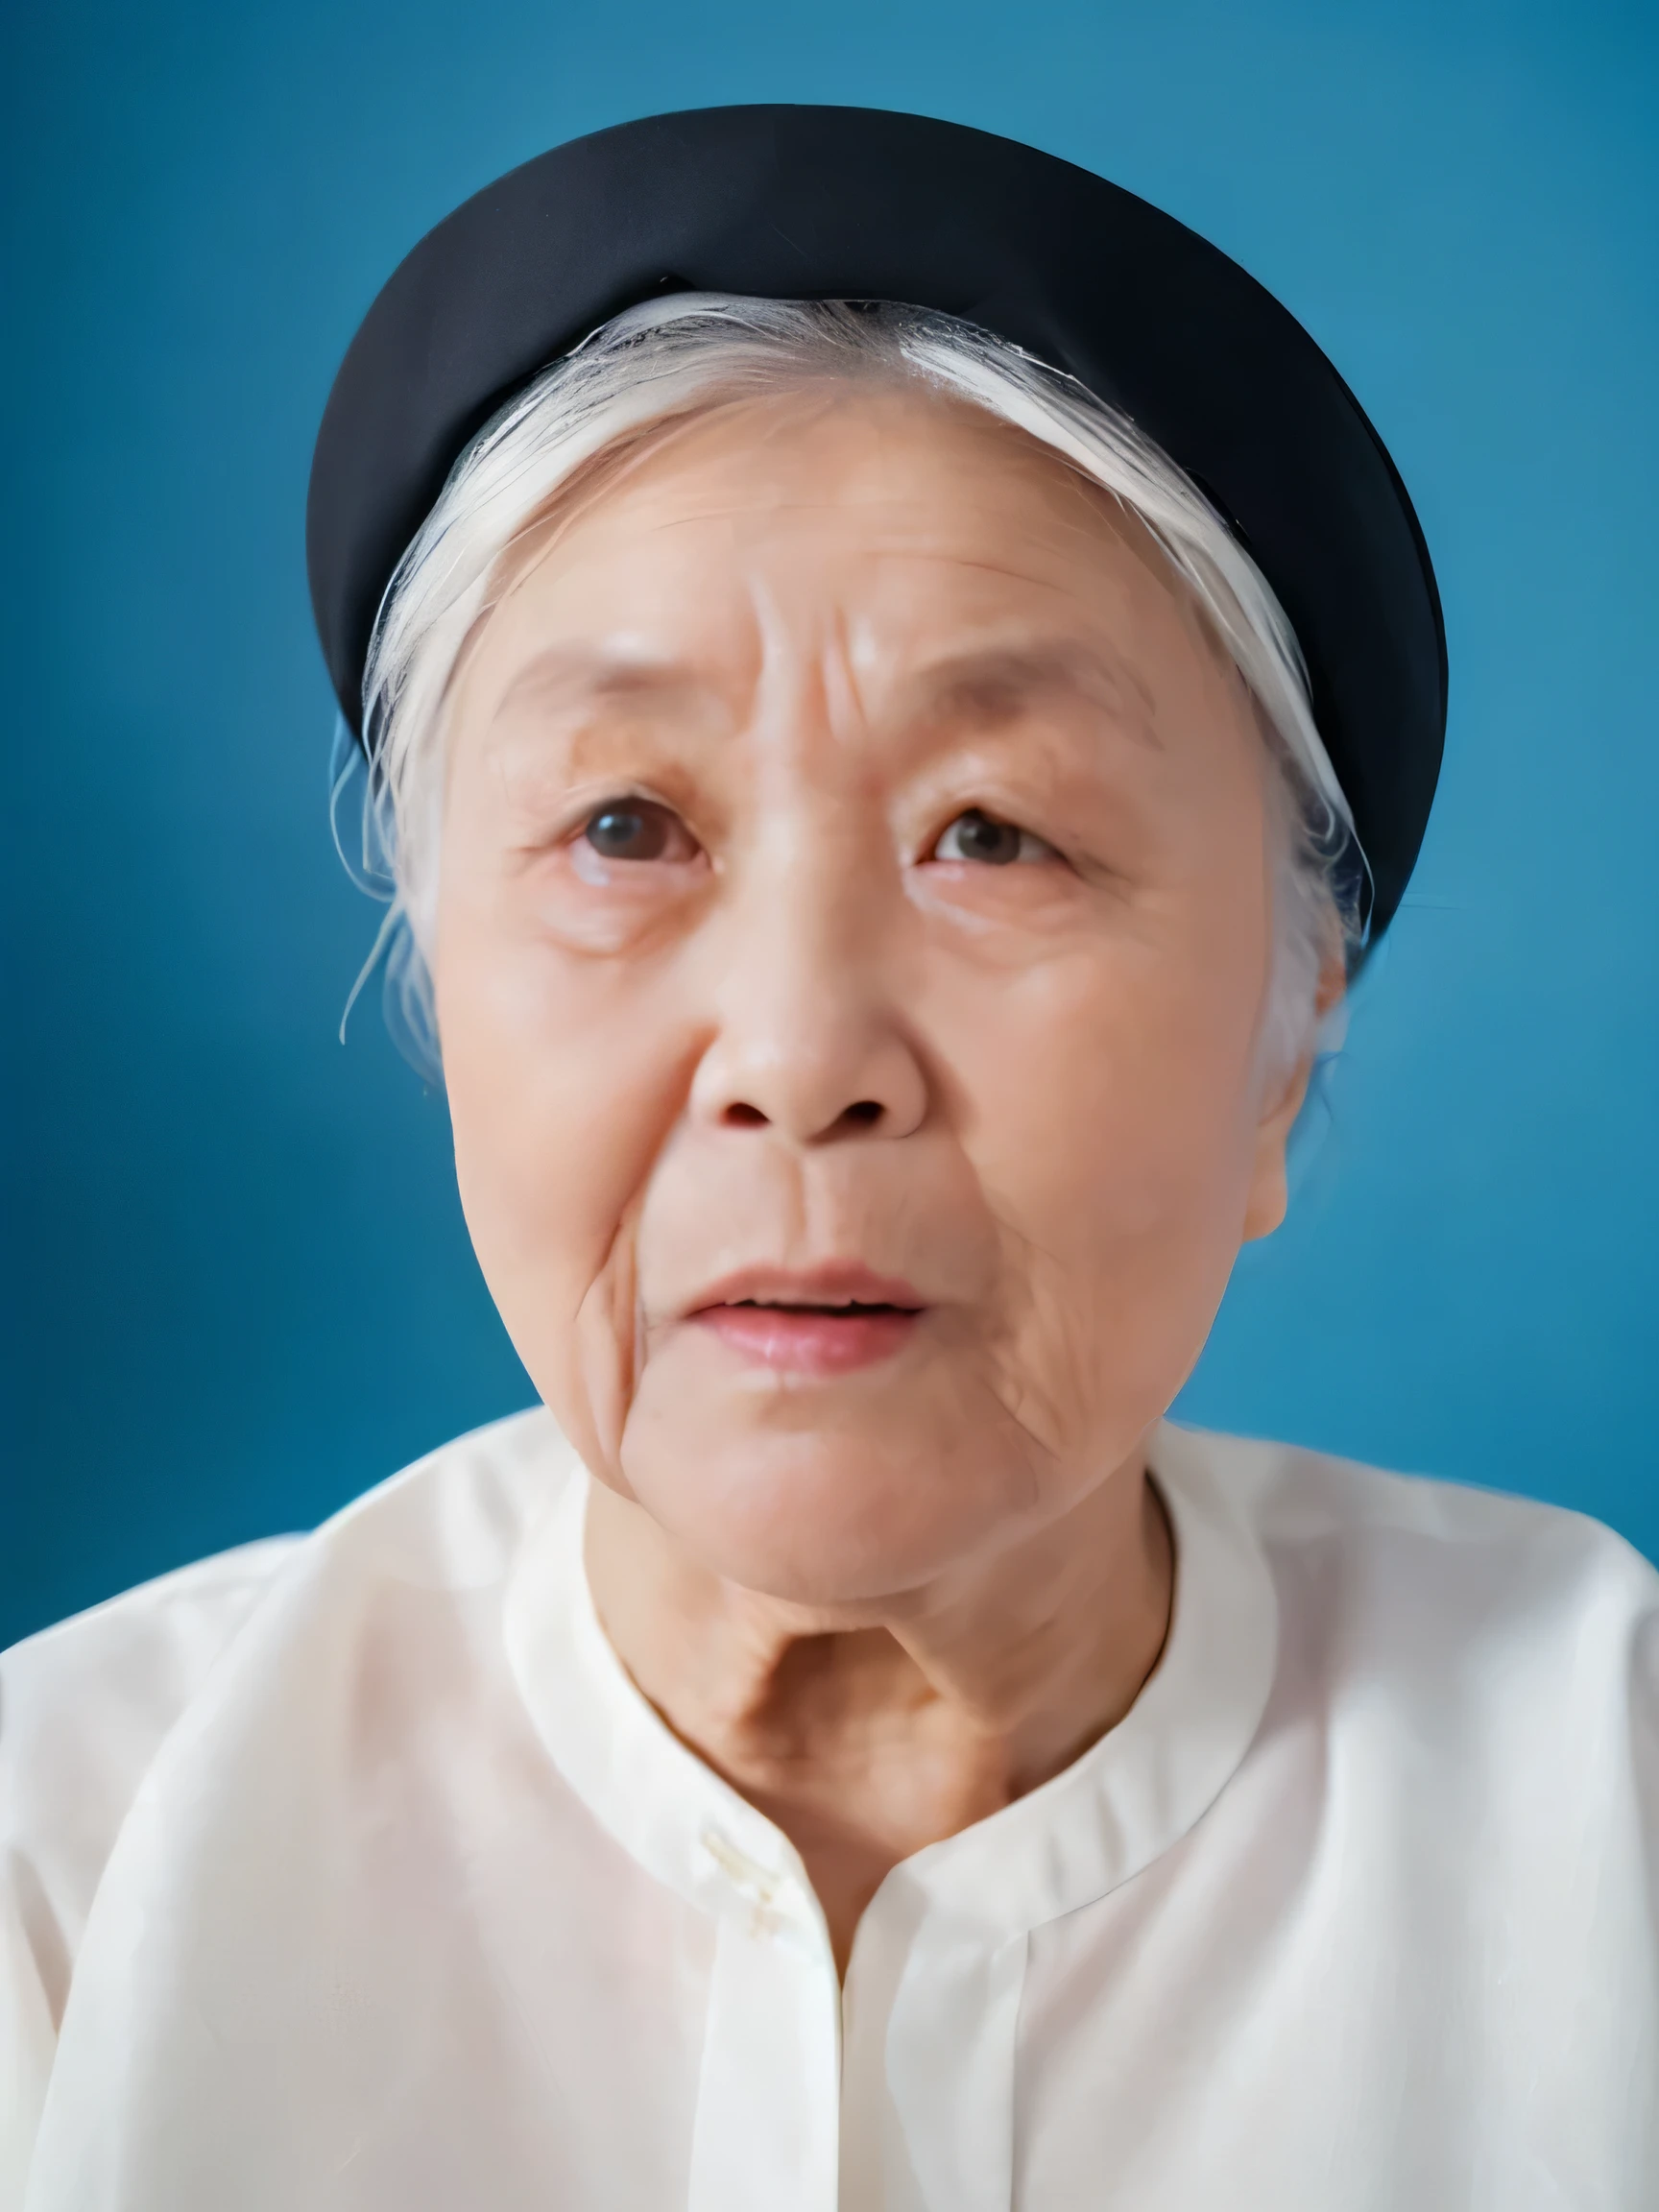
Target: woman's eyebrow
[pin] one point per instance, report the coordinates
(994, 684)
(569, 675)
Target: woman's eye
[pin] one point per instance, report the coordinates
(636, 830)
(979, 837)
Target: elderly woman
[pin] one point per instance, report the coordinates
(900, 685)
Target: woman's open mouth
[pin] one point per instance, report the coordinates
(827, 1321)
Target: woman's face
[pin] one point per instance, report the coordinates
(853, 936)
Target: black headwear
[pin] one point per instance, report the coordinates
(856, 203)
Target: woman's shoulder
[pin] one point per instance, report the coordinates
(87, 1705)
(1467, 1599)
(1293, 1494)
(83, 1702)
(84, 1708)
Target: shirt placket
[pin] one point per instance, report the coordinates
(767, 2124)
(930, 2025)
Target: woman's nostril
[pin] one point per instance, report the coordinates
(798, 1119)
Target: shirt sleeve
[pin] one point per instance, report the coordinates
(84, 1709)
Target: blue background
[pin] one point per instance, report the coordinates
(238, 1283)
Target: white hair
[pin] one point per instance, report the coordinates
(676, 356)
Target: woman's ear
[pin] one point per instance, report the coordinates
(1282, 1100)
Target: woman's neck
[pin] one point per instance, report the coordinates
(869, 1733)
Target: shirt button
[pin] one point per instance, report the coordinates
(766, 1891)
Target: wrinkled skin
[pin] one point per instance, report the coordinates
(796, 1013)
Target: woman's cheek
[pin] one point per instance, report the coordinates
(1111, 1153)
(550, 1198)
(560, 1114)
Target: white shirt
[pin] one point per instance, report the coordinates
(352, 1873)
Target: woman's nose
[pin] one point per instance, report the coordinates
(809, 1041)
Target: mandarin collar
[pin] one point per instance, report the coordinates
(1091, 1827)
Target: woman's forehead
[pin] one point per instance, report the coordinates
(579, 698)
(978, 685)
(846, 462)
(910, 530)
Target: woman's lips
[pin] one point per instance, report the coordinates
(812, 1339)
(826, 1321)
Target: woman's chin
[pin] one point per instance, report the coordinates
(829, 1517)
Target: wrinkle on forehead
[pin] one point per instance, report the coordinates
(983, 671)
(980, 685)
